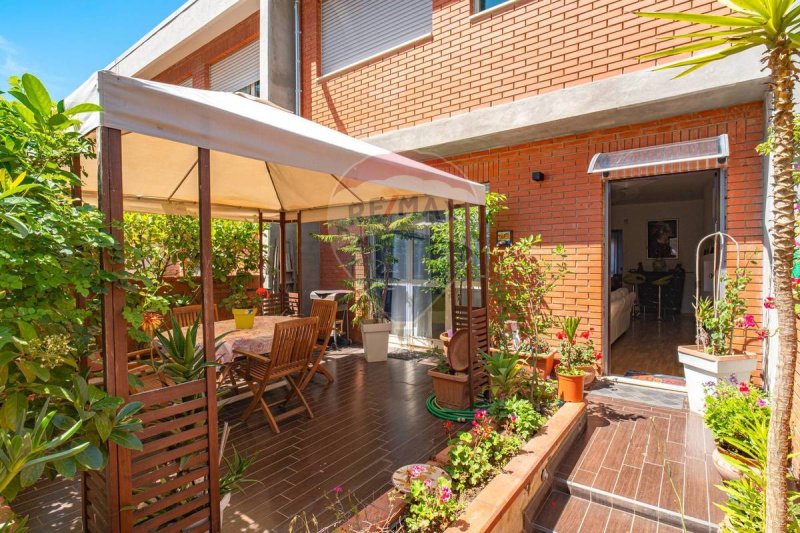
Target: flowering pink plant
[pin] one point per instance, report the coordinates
(432, 506)
(729, 403)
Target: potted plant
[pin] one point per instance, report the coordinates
(245, 306)
(450, 388)
(570, 375)
(586, 357)
(717, 318)
(522, 277)
(233, 479)
(729, 403)
(369, 244)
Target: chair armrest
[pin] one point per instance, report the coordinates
(258, 357)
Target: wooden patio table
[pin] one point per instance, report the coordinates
(258, 340)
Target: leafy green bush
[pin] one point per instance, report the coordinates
(503, 367)
(431, 506)
(729, 403)
(51, 419)
(520, 415)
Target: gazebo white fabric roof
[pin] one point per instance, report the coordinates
(263, 158)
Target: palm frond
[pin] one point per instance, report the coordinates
(710, 20)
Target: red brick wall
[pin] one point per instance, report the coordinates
(526, 49)
(567, 207)
(196, 64)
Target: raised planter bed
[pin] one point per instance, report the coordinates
(502, 505)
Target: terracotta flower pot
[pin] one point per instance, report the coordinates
(725, 466)
(570, 388)
(588, 375)
(244, 318)
(451, 390)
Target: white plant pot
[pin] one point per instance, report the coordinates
(224, 502)
(375, 337)
(701, 368)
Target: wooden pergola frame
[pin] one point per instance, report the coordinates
(111, 497)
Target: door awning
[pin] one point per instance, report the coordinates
(663, 154)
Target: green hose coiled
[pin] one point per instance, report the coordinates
(454, 415)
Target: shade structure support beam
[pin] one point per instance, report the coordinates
(452, 264)
(470, 338)
(207, 284)
(282, 260)
(484, 258)
(260, 248)
(298, 276)
(117, 477)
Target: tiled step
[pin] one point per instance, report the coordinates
(634, 507)
(565, 513)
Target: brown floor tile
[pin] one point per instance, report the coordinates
(672, 493)
(644, 525)
(677, 429)
(627, 482)
(595, 518)
(619, 522)
(606, 479)
(649, 488)
(696, 489)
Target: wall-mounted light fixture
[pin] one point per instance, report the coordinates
(537, 176)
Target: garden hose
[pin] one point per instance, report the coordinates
(454, 415)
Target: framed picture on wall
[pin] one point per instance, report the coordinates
(662, 239)
(505, 237)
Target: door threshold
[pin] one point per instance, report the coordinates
(648, 384)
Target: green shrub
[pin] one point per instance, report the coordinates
(729, 404)
(431, 506)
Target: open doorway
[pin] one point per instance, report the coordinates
(654, 226)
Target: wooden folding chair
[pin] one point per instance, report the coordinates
(272, 305)
(293, 304)
(325, 311)
(186, 315)
(288, 359)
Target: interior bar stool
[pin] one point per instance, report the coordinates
(661, 282)
(634, 279)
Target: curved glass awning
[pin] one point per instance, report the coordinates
(663, 154)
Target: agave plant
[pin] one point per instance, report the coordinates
(503, 367)
(774, 26)
(182, 359)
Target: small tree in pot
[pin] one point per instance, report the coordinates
(369, 243)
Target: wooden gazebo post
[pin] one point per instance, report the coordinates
(452, 264)
(207, 284)
(260, 248)
(470, 341)
(282, 260)
(484, 259)
(298, 269)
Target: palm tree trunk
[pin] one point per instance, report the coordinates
(783, 236)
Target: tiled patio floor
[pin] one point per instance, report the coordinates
(635, 461)
(370, 421)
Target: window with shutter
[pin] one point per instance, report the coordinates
(354, 30)
(237, 71)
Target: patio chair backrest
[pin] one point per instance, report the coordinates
(291, 346)
(186, 315)
(272, 305)
(325, 311)
(293, 304)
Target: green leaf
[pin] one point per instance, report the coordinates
(711, 20)
(129, 409)
(12, 413)
(104, 426)
(127, 440)
(19, 226)
(31, 474)
(37, 94)
(91, 458)
(686, 48)
(83, 108)
(66, 467)
(26, 331)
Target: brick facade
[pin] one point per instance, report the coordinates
(567, 207)
(196, 64)
(470, 62)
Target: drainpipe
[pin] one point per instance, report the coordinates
(297, 88)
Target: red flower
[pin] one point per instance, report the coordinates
(561, 335)
(743, 388)
(598, 356)
(263, 292)
(585, 334)
(762, 334)
(769, 302)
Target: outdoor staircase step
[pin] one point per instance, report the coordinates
(603, 499)
(565, 513)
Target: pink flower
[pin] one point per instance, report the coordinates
(761, 402)
(338, 489)
(429, 483)
(513, 417)
(747, 321)
(445, 494)
(417, 470)
(743, 388)
(480, 414)
(769, 302)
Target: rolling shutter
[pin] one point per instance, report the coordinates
(187, 82)
(353, 30)
(237, 70)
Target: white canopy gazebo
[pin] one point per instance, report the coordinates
(176, 150)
